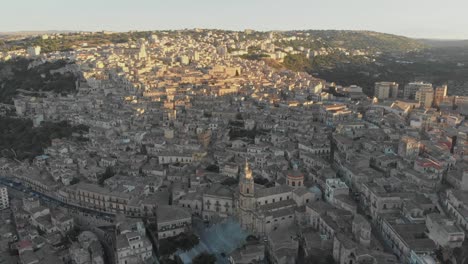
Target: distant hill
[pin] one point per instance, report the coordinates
(368, 41)
(445, 43)
(361, 40)
(32, 33)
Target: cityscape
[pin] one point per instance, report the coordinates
(232, 146)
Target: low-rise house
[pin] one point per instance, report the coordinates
(63, 222)
(249, 253)
(172, 220)
(282, 246)
(218, 201)
(193, 202)
(443, 231)
(457, 206)
(133, 248)
(406, 238)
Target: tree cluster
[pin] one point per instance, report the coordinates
(20, 140)
(183, 241)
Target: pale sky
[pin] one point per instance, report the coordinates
(413, 18)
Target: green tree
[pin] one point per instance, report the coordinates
(297, 62)
(212, 168)
(20, 140)
(230, 182)
(204, 258)
(15, 75)
(106, 175)
(183, 241)
(312, 259)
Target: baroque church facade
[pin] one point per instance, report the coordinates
(261, 210)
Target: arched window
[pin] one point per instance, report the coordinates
(247, 190)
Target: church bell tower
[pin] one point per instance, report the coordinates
(246, 198)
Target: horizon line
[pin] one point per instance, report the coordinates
(13, 32)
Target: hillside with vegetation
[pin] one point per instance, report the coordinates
(388, 58)
(359, 57)
(362, 71)
(70, 41)
(20, 140)
(17, 75)
(372, 42)
(438, 66)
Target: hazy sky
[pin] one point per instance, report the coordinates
(414, 18)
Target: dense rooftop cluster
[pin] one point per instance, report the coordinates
(186, 137)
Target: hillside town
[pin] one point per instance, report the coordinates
(188, 138)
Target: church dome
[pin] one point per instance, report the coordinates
(295, 178)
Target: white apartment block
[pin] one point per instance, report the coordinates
(410, 89)
(384, 90)
(34, 51)
(425, 96)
